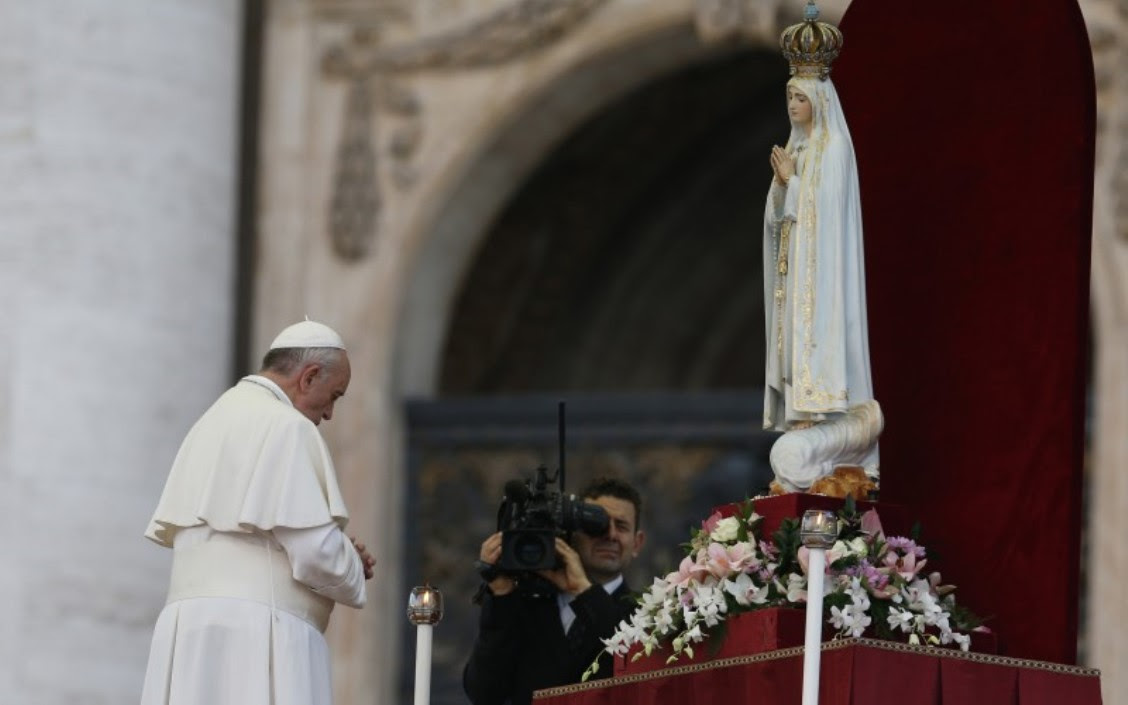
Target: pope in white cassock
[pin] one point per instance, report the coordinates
(818, 387)
(255, 518)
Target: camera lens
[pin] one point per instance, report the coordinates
(529, 551)
(589, 518)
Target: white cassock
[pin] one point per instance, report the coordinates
(255, 518)
(818, 366)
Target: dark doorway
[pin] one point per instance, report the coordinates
(631, 259)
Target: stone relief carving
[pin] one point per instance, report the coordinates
(378, 93)
(363, 9)
(354, 210)
(725, 20)
(502, 36)
(380, 101)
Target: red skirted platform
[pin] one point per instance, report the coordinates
(745, 634)
(751, 633)
(854, 672)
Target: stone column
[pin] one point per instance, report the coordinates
(1106, 598)
(118, 155)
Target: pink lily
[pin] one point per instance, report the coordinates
(941, 590)
(709, 524)
(871, 524)
(906, 566)
(688, 572)
(728, 560)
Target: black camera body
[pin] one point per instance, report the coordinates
(532, 516)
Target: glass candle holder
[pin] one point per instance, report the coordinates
(819, 528)
(425, 605)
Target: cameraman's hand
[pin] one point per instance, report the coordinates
(491, 553)
(572, 578)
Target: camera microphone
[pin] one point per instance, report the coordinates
(516, 491)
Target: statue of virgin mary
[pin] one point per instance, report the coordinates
(818, 387)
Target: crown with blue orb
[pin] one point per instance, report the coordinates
(811, 46)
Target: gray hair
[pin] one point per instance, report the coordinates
(285, 360)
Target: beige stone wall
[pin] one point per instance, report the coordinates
(462, 102)
(1106, 596)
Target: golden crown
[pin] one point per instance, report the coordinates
(811, 46)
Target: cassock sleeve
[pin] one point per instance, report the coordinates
(323, 558)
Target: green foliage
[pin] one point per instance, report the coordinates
(962, 618)
(835, 599)
(787, 542)
(879, 612)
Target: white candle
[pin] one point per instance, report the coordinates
(424, 609)
(423, 664)
(812, 643)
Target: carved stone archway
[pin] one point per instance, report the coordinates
(500, 167)
(629, 261)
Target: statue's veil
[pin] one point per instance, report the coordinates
(829, 366)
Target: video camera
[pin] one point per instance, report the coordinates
(532, 515)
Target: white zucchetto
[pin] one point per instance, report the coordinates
(308, 334)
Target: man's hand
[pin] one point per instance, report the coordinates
(572, 578)
(365, 558)
(491, 553)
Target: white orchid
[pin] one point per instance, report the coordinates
(900, 619)
(858, 594)
(850, 619)
(711, 604)
(745, 591)
(796, 588)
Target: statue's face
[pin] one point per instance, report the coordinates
(798, 107)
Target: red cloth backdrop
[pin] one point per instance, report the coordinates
(974, 124)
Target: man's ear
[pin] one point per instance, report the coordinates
(640, 538)
(307, 375)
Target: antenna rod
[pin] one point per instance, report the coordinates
(560, 439)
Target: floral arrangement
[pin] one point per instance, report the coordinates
(872, 583)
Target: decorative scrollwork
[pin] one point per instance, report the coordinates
(356, 198)
(728, 20)
(377, 94)
(505, 35)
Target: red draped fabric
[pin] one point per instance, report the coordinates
(973, 124)
(853, 672)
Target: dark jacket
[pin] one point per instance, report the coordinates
(521, 645)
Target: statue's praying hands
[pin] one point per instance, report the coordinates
(783, 164)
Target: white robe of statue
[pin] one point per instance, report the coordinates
(818, 386)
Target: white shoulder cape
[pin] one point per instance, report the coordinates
(251, 462)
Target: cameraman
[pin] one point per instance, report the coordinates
(531, 641)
